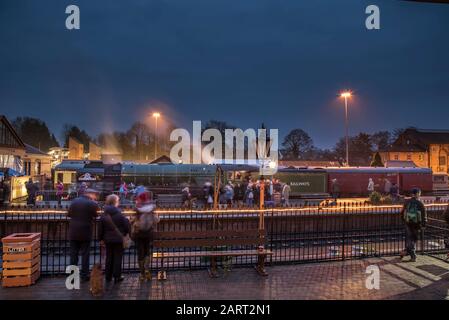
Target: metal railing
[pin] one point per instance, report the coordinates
(294, 234)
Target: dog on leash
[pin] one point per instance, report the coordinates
(96, 281)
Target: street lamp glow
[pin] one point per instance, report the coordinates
(346, 94)
(156, 115)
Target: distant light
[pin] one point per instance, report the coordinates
(156, 114)
(346, 94)
(272, 164)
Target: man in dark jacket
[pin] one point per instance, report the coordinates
(32, 190)
(112, 228)
(82, 212)
(414, 216)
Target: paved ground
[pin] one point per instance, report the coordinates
(428, 278)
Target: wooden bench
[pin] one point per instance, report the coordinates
(210, 244)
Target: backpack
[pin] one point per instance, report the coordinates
(142, 225)
(412, 213)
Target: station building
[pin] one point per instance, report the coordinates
(20, 157)
(425, 148)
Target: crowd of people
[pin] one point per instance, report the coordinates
(248, 193)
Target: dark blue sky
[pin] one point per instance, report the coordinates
(242, 61)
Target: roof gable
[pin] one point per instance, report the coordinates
(8, 136)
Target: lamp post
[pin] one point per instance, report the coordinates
(156, 116)
(346, 95)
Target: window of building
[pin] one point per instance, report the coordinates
(409, 156)
(37, 167)
(27, 167)
(442, 161)
(421, 157)
(396, 157)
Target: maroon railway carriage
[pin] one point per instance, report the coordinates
(353, 181)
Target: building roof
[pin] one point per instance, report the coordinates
(378, 170)
(400, 164)
(418, 140)
(32, 150)
(307, 163)
(405, 148)
(162, 159)
(10, 128)
(425, 136)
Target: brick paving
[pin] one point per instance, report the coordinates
(428, 278)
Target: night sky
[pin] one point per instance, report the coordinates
(240, 61)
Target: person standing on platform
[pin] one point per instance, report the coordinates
(32, 190)
(387, 187)
(142, 228)
(59, 192)
(414, 216)
(286, 189)
(82, 213)
(112, 229)
(370, 186)
(335, 190)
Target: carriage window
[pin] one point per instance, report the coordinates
(169, 180)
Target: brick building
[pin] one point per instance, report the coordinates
(426, 148)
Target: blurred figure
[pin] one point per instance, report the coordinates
(6, 191)
(229, 193)
(370, 186)
(59, 192)
(2, 194)
(113, 227)
(335, 190)
(249, 195)
(186, 197)
(394, 192)
(414, 216)
(82, 189)
(239, 193)
(387, 186)
(286, 189)
(142, 228)
(32, 190)
(82, 213)
(208, 194)
(123, 191)
(140, 189)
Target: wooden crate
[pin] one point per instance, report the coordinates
(21, 259)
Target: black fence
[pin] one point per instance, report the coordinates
(294, 234)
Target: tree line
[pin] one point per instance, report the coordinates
(138, 142)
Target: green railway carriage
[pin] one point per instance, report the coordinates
(304, 182)
(168, 175)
